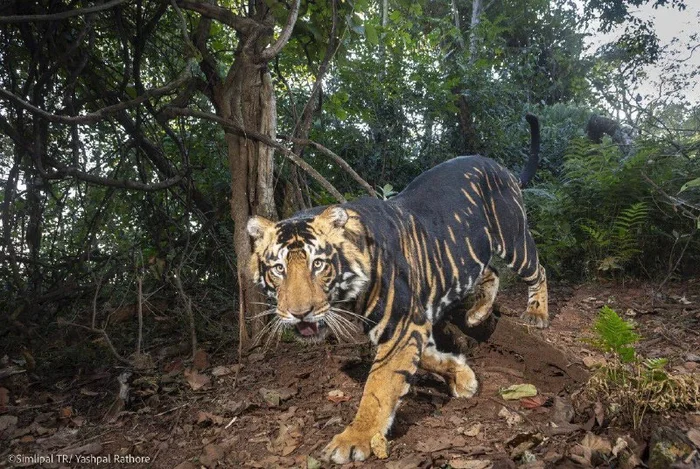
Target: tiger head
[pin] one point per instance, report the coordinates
(309, 264)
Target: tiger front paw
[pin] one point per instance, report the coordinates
(350, 445)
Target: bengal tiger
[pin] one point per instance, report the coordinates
(404, 262)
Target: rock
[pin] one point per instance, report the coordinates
(668, 446)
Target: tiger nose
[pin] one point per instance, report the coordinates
(300, 313)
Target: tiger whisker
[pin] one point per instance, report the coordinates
(341, 326)
(264, 313)
(275, 330)
(353, 314)
(340, 333)
(265, 329)
(344, 320)
(261, 303)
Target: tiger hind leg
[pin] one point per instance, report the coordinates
(484, 295)
(537, 312)
(459, 376)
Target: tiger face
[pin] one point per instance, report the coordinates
(310, 265)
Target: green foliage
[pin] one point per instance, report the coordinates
(614, 334)
(602, 211)
(631, 385)
(617, 244)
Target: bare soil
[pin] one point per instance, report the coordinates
(280, 406)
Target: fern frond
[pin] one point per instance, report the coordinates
(614, 334)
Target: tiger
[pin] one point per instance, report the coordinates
(404, 262)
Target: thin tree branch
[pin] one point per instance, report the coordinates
(336, 158)
(100, 114)
(60, 16)
(105, 336)
(270, 52)
(222, 15)
(240, 130)
(62, 171)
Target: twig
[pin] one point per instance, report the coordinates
(105, 336)
(93, 117)
(339, 160)
(270, 52)
(172, 410)
(139, 311)
(267, 140)
(60, 16)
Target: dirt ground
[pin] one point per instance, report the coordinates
(279, 407)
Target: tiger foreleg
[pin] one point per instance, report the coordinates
(389, 379)
(484, 295)
(537, 312)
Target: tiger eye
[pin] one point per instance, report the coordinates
(318, 263)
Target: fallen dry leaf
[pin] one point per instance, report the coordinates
(380, 446)
(594, 362)
(65, 412)
(591, 450)
(694, 436)
(562, 411)
(596, 443)
(225, 370)
(196, 380)
(337, 396)
(523, 442)
(312, 463)
(7, 422)
(409, 462)
(512, 418)
(474, 430)
(441, 442)
(201, 360)
(90, 448)
(4, 398)
(599, 413)
(286, 442)
(470, 463)
(620, 445)
(211, 455)
(533, 402)
(518, 391)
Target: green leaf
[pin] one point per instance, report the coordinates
(692, 183)
(371, 34)
(615, 334)
(518, 391)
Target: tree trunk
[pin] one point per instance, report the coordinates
(248, 99)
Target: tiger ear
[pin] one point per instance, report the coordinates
(336, 215)
(258, 226)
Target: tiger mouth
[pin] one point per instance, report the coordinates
(311, 330)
